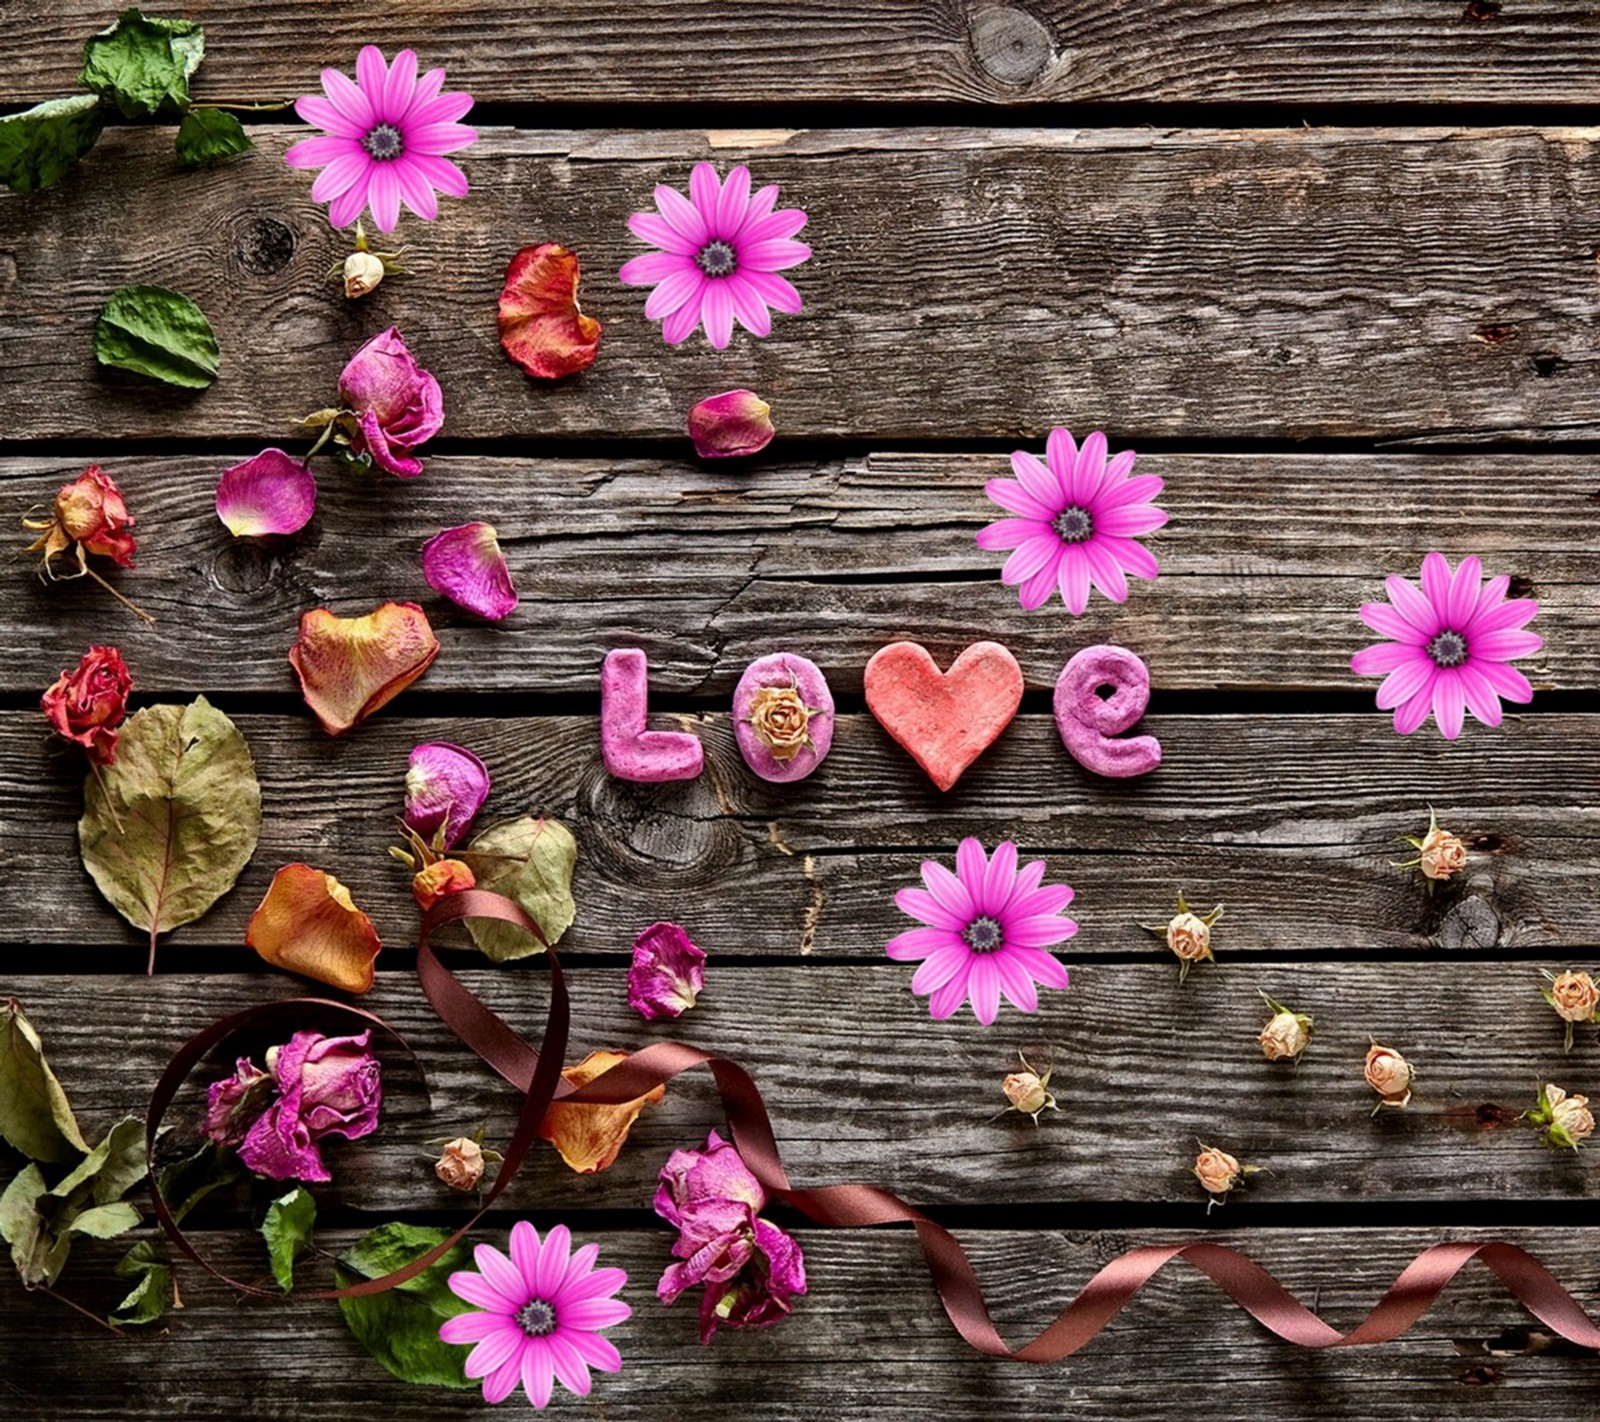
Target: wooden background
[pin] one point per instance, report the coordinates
(1331, 268)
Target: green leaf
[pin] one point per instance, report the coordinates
(158, 333)
(143, 65)
(38, 1251)
(170, 824)
(104, 1221)
(400, 1328)
(151, 1295)
(207, 136)
(40, 147)
(287, 1231)
(34, 1114)
(529, 860)
(111, 1169)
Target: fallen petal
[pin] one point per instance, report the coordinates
(733, 423)
(307, 924)
(668, 972)
(350, 666)
(591, 1137)
(272, 493)
(467, 566)
(541, 326)
(445, 788)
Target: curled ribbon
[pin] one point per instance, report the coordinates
(537, 1073)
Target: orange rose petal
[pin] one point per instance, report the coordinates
(541, 326)
(307, 924)
(350, 666)
(591, 1137)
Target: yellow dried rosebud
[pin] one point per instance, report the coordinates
(461, 1164)
(362, 273)
(1390, 1075)
(1189, 936)
(1028, 1091)
(781, 719)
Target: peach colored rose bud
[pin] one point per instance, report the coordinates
(1287, 1035)
(781, 720)
(1028, 1091)
(1216, 1170)
(1390, 1075)
(1189, 937)
(1574, 996)
(1570, 1121)
(362, 273)
(461, 1164)
(1443, 854)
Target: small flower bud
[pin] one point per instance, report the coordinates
(1566, 1120)
(1288, 1034)
(362, 273)
(1216, 1170)
(461, 1164)
(1189, 937)
(1390, 1075)
(1443, 854)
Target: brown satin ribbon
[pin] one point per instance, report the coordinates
(536, 1072)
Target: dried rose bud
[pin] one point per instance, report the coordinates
(362, 273)
(1287, 1035)
(1187, 934)
(88, 517)
(1390, 1075)
(1443, 854)
(439, 880)
(1566, 1120)
(460, 1165)
(1028, 1091)
(1216, 1170)
(781, 720)
(87, 705)
(736, 422)
(1575, 999)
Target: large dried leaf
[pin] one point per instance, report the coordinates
(529, 860)
(34, 1115)
(168, 828)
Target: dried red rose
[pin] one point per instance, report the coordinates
(87, 705)
(87, 517)
(541, 325)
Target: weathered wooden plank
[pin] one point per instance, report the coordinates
(863, 1085)
(1265, 563)
(966, 282)
(892, 52)
(1290, 820)
(868, 1340)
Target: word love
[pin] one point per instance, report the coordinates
(944, 720)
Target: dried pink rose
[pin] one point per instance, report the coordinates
(668, 972)
(446, 786)
(331, 1086)
(234, 1103)
(736, 422)
(460, 1165)
(271, 493)
(467, 566)
(750, 1268)
(398, 404)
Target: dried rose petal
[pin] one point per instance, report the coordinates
(735, 422)
(307, 924)
(668, 972)
(446, 786)
(350, 666)
(467, 566)
(541, 326)
(272, 493)
(591, 1137)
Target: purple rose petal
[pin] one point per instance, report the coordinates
(272, 493)
(467, 566)
(668, 972)
(445, 788)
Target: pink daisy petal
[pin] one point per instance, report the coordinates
(1038, 481)
(734, 201)
(447, 108)
(475, 1327)
(325, 114)
(354, 106)
(1503, 617)
(345, 208)
(673, 291)
(1000, 878)
(915, 944)
(525, 1253)
(1118, 468)
(400, 86)
(946, 1001)
(1035, 592)
(1408, 679)
(682, 215)
(415, 190)
(1412, 605)
(705, 192)
(1135, 558)
(502, 1382)
(1139, 489)
(1436, 581)
(1383, 619)
(1029, 877)
(1043, 932)
(493, 1351)
(1449, 703)
(341, 174)
(650, 268)
(435, 139)
(772, 228)
(580, 1266)
(1073, 578)
(1105, 571)
(1041, 966)
(322, 150)
(972, 866)
(682, 323)
(502, 1274)
(748, 307)
(922, 906)
(425, 92)
(1049, 900)
(477, 1290)
(538, 1372)
(1507, 681)
(571, 1370)
(776, 255)
(1015, 983)
(597, 1352)
(372, 75)
(984, 986)
(595, 1285)
(593, 1313)
(940, 967)
(717, 312)
(1014, 498)
(442, 173)
(1090, 468)
(1480, 694)
(760, 207)
(1381, 658)
(777, 292)
(1408, 715)
(658, 232)
(1061, 454)
(950, 893)
(1505, 646)
(1130, 520)
(1463, 596)
(553, 1259)
(1011, 533)
(1029, 558)
(383, 196)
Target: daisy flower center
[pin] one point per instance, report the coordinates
(716, 259)
(1448, 649)
(384, 142)
(983, 934)
(1074, 525)
(536, 1318)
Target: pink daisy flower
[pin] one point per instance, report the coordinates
(987, 926)
(1449, 645)
(542, 1312)
(721, 252)
(1076, 522)
(384, 140)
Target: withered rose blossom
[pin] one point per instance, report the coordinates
(397, 404)
(1216, 1170)
(90, 512)
(1570, 1120)
(1575, 998)
(439, 880)
(460, 1165)
(87, 705)
(1390, 1075)
(781, 718)
(1443, 854)
(1189, 936)
(1286, 1035)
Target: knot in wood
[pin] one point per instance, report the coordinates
(1471, 923)
(265, 246)
(1011, 46)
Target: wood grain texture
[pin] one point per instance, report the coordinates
(887, 53)
(863, 1085)
(1265, 564)
(1290, 821)
(967, 282)
(867, 1341)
